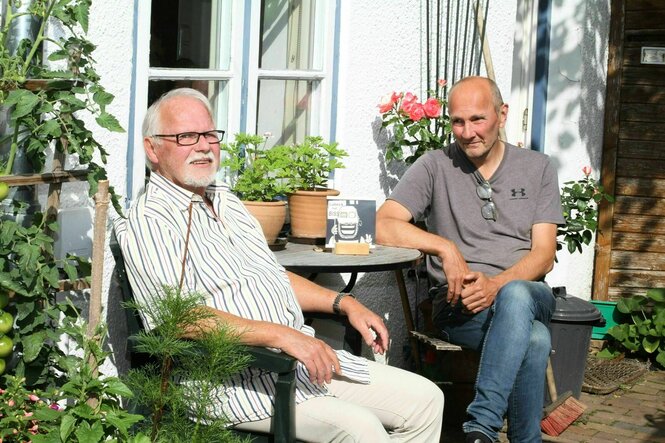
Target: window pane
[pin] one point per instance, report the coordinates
(288, 34)
(216, 91)
(284, 110)
(188, 34)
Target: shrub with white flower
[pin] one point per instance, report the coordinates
(580, 200)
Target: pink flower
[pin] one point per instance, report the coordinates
(408, 102)
(586, 170)
(416, 112)
(432, 108)
(54, 406)
(442, 82)
(387, 102)
(33, 397)
(28, 414)
(10, 403)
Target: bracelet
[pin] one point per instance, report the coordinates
(338, 300)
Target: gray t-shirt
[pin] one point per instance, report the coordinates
(441, 188)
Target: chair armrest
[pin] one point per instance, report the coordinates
(284, 420)
(268, 360)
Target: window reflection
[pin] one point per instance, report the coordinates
(183, 34)
(288, 34)
(284, 110)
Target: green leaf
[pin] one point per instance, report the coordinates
(107, 121)
(650, 344)
(32, 344)
(116, 387)
(82, 14)
(102, 98)
(8, 282)
(660, 358)
(72, 100)
(89, 434)
(27, 101)
(60, 54)
(656, 294)
(47, 414)
(70, 270)
(51, 437)
(82, 410)
(627, 305)
(52, 128)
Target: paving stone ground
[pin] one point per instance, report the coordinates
(634, 413)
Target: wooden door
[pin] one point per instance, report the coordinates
(631, 241)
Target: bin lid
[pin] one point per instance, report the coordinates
(571, 309)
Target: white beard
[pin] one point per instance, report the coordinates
(200, 182)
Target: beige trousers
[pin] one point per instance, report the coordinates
(397, 406)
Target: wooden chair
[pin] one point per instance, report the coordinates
(283, 365)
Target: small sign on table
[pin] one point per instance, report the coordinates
(351, 226)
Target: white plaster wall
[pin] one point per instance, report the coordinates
(381, 52)
(111, 29)
(575, 112)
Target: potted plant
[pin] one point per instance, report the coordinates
(312, 161)
(257, 176)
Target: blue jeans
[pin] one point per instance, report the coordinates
(513, 338)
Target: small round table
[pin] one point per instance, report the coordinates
(313, 259)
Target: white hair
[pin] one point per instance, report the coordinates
(152, 122)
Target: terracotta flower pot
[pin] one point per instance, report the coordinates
(307, 210)
(270, 215)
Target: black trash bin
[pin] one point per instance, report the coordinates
(570, 328)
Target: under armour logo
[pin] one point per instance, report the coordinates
(518, 193)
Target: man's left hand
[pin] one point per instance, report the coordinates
(370, 325)
(479, 291)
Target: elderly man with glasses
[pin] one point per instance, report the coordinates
(491, 211)
(189, 230)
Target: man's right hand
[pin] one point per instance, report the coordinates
(455, 268)
(319, 358)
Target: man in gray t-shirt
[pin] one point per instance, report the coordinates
(491, 211)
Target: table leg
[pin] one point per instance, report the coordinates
(351, 336)
(408, 318)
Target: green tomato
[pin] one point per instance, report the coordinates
(6, 322)
(6, 346)
(2, 366)
(4, 299)
(4, 190)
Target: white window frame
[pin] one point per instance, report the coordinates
(321, 100)
(518, 126)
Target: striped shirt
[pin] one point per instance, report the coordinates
(229, 262)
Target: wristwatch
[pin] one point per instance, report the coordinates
(338, 300)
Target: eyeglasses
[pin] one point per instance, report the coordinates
(192, 138)
(484, 191)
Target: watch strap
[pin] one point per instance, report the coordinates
(338, 300)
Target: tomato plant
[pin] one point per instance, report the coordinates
(6, 346)
(4, 299)
(4, 190)
(6, 322)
